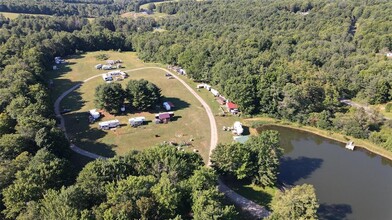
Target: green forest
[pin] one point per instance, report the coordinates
(287, 59)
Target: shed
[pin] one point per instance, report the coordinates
(231, 105)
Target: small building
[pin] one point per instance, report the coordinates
(237, 128)
(163, 117)
(233, 108)
(214, 92)
(105, 125)
(168, 106)
(98, 66)
(107, 77)
(137, 121)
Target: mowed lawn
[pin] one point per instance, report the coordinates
(81, 67)
(11, 15)
(190, 123)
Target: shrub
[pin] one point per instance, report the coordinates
(102, 56)
(388, 107)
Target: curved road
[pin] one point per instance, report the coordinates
(247, 205)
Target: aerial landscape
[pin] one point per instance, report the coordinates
(195, 109)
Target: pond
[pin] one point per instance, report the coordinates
(349, 184)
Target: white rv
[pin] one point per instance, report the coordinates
(98, 66)
(107, 77)
(214, 92)
(137, 121)
(105, 125)
(106, 67)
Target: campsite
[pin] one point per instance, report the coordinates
(188, 123)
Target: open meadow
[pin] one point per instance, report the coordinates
(189, 126)
(11, 15)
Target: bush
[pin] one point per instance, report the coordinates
(388, 107)
(102, 56)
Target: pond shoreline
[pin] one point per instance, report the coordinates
(364, 144)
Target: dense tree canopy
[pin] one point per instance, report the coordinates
(256, 160)
(143, 95)
(110, 97)
(290, 59)
(300, 202)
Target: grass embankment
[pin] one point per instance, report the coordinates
(190, 120)
(324, 133)
(259, 195)
(12, 15)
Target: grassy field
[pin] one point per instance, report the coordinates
(154, 15)
(259, 195)
(382, 110)
(190, 121)
(11, 15)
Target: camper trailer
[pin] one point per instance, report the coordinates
(98, 66)
(107, 77)
(117, 73)
(215, 92)
(94, 114)
(135, 122)
(106, 67)
(105, 125)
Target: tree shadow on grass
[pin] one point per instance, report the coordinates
(333, 211)
(80, 133)
(73, 101)
(244, 188)
(292, 170)
(178, 103)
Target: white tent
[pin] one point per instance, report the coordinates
(237, 128)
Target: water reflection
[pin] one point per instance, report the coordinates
(296, 169)
(349, 184)
(333, 211)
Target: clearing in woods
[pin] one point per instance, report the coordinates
(190, 119)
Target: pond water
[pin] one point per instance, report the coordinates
(349, 184)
